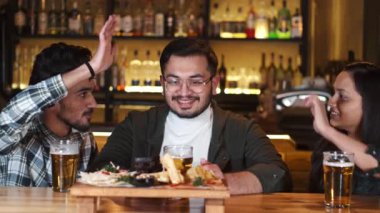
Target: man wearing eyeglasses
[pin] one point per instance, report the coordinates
(234, 148)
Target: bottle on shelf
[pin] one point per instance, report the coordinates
(20, 18)
(115, 70)
(283, 27)
(74, 20)
(123, 70)
(157, 70)
(88, 19)
(117, 14)
(192, 30)
(62, 26)
(261, 24)
(214, 24)
(170, 20)
(147, 70)
(127, 19)
(99, 19)
(159, 21)
(181, 21)
(16, 68)
(148, 19)
(137, 21)
(250, 22)
(233, 78)
(53, 19)
(297, 75)
(239, 24)
(271, 74)
(297, 26)
(135, 69)
(280, 74)
(253, 78)
(32, 18)
(42, 18)
(222, 71)
(201, 20)
(289, 74)
(263, 71)
(272, 21)
(227, 20)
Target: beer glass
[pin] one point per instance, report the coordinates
(182, 156)
(338, 168)
(64, 162)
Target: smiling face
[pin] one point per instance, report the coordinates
(183, 99)
(76, 108)
(346, 105)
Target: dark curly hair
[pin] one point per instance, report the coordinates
(56, 59)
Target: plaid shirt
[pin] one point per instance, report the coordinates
(24, 139)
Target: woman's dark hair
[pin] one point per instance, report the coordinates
(366, 77)
(57, 59)
(189, 47)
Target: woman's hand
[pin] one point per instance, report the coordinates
(104, 55)
(317, 108)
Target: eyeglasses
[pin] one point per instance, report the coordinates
(196, 85)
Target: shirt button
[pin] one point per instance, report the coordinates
(274, 176)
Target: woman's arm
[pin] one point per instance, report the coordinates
(345, 143)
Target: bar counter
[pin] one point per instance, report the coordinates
(41, 200)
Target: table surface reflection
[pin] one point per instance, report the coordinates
(25, 199)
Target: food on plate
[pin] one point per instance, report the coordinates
(200, 176)
(175, 175)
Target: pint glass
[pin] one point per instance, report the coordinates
(182, 156)
(338, 170)
(64, 162)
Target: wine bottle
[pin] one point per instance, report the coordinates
(20, 18)
(88, 20)
(63, 18)
(53, 19)
(42, 19)
(222, 75)
(75, 20)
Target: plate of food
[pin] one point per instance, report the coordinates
(169, 182)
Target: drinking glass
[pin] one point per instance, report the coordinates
(64, 162)
(338, 168)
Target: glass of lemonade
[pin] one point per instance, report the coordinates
(182, 156)
(338, 168)
(64, 162)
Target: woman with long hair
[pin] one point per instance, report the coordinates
(353, 126)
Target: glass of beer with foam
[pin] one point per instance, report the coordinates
(338, 168)
(182, 156)
(64, 163)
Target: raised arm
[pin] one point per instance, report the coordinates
(345, 143)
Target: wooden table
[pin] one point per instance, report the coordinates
(41, 200)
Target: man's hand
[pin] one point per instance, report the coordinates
(105, 53)
(212, 167)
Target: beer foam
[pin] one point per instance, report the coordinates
(71, 149)
(338, 164)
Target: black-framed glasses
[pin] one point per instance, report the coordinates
(194, 84)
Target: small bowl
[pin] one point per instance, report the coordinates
(147, 164)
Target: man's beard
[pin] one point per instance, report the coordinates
(76, 125)
(194, 114)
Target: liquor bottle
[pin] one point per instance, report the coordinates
(181, 21)
(214, 24)
(283, 27)
(289, 74)
(239, 23)
(297, 75)
(53, 19)
(42, 19)
(123, 66)
(147, 70)
(137, 22)
(117, 14)
(272, 21)
(135, 69)
(16, 68)
(75, 20)
(148, 19)
(263, 71)
(88, 20)
(192, 30)
(20, 18)
(170, 20)
(250, 22)
(127, 20)
(201, 20)
(261, 24)
(271, 76)
(115, 74)
(32, 18)
(99, 19)
(280, 75)
(226, 27)
(233, 78)
(297, 26)
(159, 22)
(253, 78)
(222, 75)
(157, 70)
(63, 18)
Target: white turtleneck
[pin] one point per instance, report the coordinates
(190, 131)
